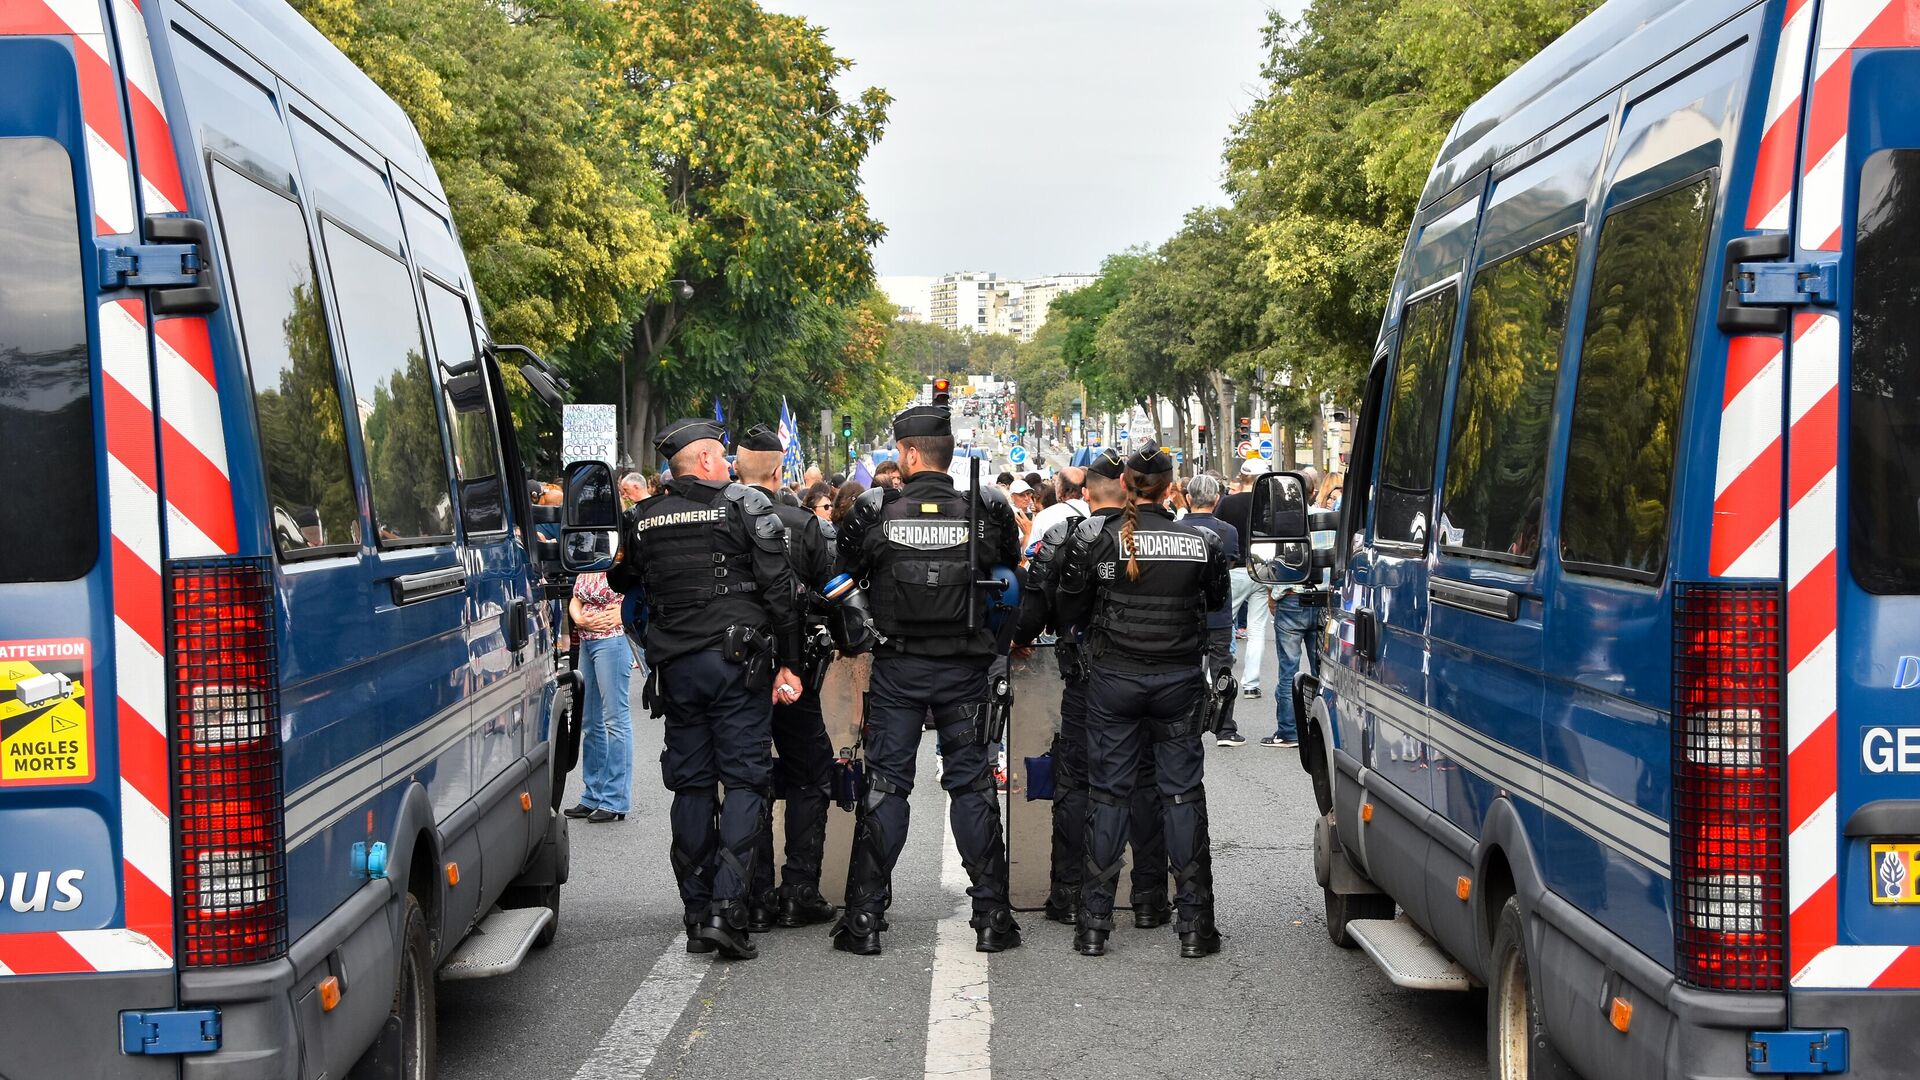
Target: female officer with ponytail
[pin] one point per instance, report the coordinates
(1141, 584)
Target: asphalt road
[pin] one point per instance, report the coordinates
(616, 995)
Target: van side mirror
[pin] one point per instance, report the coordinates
(589, 517)
(1280, 550)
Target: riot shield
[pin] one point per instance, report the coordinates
(1037, 687)
(841, 694)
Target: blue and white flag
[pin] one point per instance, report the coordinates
(791, 469)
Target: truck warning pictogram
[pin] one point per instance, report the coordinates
(46, 718)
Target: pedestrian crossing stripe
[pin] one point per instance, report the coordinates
(46, 716)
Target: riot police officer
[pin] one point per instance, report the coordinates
(918, 548)
(722, 617)
(1141, 583)
(1039, 603)
(803, 771)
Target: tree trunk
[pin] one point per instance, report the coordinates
(1222, 442)
(1283, 456)
(1317, 432)
(640, 421)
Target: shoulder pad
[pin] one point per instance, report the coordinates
(1057, 536)
(872, 499)
(1090, 528)
(1212, 540)
(992, 495)
(827, 531)
(749, 499)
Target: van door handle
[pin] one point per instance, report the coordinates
(1479, 599)
(518, 628)
(429, 584)
(1366, 633)
(1885, 817)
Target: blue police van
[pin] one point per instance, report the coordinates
(281, 719)
(1614, 708)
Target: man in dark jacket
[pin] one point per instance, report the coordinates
(723, 638)
(1203, 496)
(803, 773)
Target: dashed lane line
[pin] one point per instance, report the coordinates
(959, 1011)
(628, 1047)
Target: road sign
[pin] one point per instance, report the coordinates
(1017, 455)
(1244, 449)
(1125, 436)
(1266, 449)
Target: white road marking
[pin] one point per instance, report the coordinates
(959, 1013)
(628, 1047)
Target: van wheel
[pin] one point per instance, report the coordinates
(1343, 908)
(404, 1050)
(1517, 1044)
(552, 903)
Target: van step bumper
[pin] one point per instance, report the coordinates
(497, 945)
(1408, 957)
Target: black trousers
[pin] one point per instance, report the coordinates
(718, 734)
(1133, 717)
(803, 777)
(902, 692)
(1220, 658)
(1148, 839)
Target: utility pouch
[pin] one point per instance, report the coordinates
(849, 778)
(1040, 777)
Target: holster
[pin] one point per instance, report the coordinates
(990, 717)
(753, 651)
(650, 698)
(1219, 699)
(818, 653)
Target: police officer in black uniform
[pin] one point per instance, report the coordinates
(723, 638)
(1142, 583)
(1039, 604)
(803, 771)
(914, 548)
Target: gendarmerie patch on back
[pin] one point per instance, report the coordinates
(927, 535)
(1165, 547)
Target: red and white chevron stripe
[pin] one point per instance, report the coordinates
(1817, 959)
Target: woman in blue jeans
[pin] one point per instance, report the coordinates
(606, 663)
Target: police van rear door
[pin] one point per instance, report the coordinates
(85, 850)
(1853, 523)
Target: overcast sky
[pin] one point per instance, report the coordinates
(1032, 137)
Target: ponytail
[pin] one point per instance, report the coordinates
(1140, 487)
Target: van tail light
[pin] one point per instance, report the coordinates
(1729, 785)
(231, 892)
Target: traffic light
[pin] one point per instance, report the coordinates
(1246, 428)
(846, 426)
(940, 389)
(1203, 434)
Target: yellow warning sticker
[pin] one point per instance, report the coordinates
(46, 717)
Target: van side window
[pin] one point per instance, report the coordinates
(476, 452)
(1503, 408)
(295, 395)
(1633, 374)
(1883, 429)
(49, 520)
(393, 390)
(1405, 493)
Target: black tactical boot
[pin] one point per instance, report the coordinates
(802, 905)
(1151, 911)
(1088, 941)
(1199, 938)
(761, 912)
(995, 931)
(696, 943)
(726, 930)
(1062, 904)
(858, 932)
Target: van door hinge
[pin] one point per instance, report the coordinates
(1798, 1052)
(170, 1031)
(172, 263)
(149, 266)
(1785, 284)
(1759, 288)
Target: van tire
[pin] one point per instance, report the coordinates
(405, 1049)
(1517, 1044)
(552, 903)
(1318, 761)
(1343, 908)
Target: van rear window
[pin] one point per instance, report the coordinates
(49, 521)
(1883, 436)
